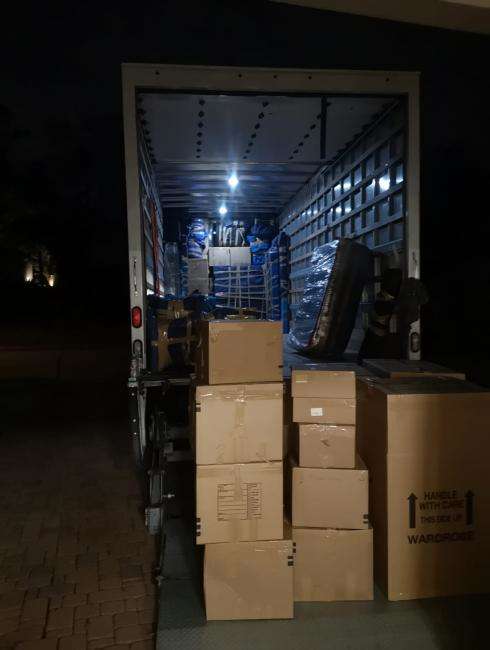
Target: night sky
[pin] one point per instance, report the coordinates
(61, 146)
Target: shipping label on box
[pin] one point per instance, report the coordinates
(324, 410)
(241, 502)
(333, 565)
(327, 445)
(233, 352)
(249, 580)
(424, 442)
(323, 383)
(330, 498)
(239, 423)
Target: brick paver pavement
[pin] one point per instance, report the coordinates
(75, 558)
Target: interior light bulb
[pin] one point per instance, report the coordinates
(233, 181)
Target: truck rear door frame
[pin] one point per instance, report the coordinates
(136, 77)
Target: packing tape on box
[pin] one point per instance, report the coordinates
(241, 394)
(301, 378)
(240, 397)
(234, 326)
(337, 429)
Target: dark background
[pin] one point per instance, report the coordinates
(61, 149)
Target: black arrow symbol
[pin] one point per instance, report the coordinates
(469, 496)
(411, 510)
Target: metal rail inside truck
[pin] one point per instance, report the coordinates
(319, 155)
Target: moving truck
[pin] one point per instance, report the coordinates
(319, 155)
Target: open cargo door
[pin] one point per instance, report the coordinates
(398, 229)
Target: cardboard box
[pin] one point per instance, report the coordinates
(240, 256)
(198, 268)
(323, 383)
(330, 498)
(398, 368)
(249, 580)
(239, 423)
(426, 444)
(327, 445)
(239, 502)
(198, 284)
(229, 256)
(324, 410)
(332, 565)
(235, 352)
(219, 256)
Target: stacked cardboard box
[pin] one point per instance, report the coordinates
(198, 276)
(248, 572)
(331, 532)
(400, 368)
(425, 441)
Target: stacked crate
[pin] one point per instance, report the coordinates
(330, 489)
(248, 565)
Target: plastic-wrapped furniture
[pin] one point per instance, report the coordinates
(332, 293)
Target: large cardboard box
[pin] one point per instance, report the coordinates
(235, 352)
(240, 256)
(399, 368)
(239, 502)
(426, 443)
(323, 383)
(198, 268)
(327, 445)
(332, 565)
(239, 423)
(249, 580)
(201, 285)
(330, 498)
(219, 256)
(324, 410)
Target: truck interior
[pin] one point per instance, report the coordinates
(227, 181)
(239, 171)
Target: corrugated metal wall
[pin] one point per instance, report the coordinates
(361, 196)
(153, 223)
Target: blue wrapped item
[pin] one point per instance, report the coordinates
(333, 287)
(259, 246)
(277, 270)
(197, 239)
(257, 259)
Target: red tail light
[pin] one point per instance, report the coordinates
(136, 317)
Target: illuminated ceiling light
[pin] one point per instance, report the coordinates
(222, 210)
(384, 183)
(233, 181)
